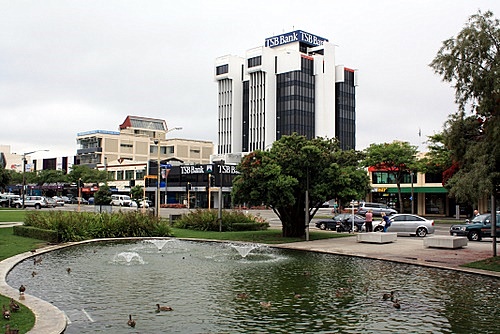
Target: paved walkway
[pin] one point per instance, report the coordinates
(410, 250)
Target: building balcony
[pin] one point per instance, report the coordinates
(89, 150)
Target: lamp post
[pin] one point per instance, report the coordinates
(158, 175)
(167, 167)
(23, 192)
(412, 194)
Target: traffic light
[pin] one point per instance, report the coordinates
(188, 186)
(132, 183)
(212, 181)
(80, 183)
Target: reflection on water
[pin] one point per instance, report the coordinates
(202, 280)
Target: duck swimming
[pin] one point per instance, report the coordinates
(163, 308)
(130, 321)
(242, 295)
(387, 296)
(265, 304)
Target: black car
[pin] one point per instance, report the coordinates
(477, 228)
(343, 219)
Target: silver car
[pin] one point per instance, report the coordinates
(407, 224)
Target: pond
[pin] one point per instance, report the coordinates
(225, 288)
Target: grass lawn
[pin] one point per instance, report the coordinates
(491, 264)
(11, 245)
(12, 215)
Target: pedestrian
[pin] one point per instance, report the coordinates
(387, 221)
(476, 213)
(369, 221)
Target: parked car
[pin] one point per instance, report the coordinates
(121, 200)
(91, 200)
(59, 200)
(75, 200)
(407, 224)
(377, 209)
(7, 198)
(345, 219)
(37, 202)
(476, 229)
(66, 199)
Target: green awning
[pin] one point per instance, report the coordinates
(429, 190)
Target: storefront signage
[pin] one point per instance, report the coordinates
(295, 36)
(206, 169)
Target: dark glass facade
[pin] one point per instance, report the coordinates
(295, 101)
(246, 116)
(345, 111)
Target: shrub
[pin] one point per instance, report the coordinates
(76, 226)
(207, 220)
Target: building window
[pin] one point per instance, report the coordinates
(129, 175)
(388, 178)
(111, 176)
(126, 145)
(222, 69)
(139, 174)
(433, 178)
(119, 175)
(170, 150)
(255, 61)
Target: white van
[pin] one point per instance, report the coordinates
(121, 200)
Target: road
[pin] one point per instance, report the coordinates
(269, 215)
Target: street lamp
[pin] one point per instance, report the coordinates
(157, 196)
(167, 167)
(23, 191)
(158, 173)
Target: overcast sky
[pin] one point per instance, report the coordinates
(73, 66)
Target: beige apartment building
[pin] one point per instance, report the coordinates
(139, 139)
(125, 153)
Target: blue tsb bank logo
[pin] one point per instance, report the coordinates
(295, 36)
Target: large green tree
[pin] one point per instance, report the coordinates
(5, 178)
(397, 158)
(280, 177)
(471, 62)
(87, 174)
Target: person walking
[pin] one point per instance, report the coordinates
(369, 221)
(387, 221)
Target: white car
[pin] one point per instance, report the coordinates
(59, 200)
(404, 223)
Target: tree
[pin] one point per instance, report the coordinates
(397, 158)
(102, 196)
(137, 194)
(5, 178)
(87, 174)
(51, 176)
(279, 178)
(471, 62)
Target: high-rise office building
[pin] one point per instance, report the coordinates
(291, 84)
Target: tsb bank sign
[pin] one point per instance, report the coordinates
(295, 36)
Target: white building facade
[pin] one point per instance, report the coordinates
(289, 85)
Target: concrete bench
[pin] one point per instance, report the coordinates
(445, 242)
(377, 237)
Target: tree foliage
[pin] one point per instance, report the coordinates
(397, 158)
(5, 178)
(279, 178)
(87, 174)
(471, 62)
(102, 196)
